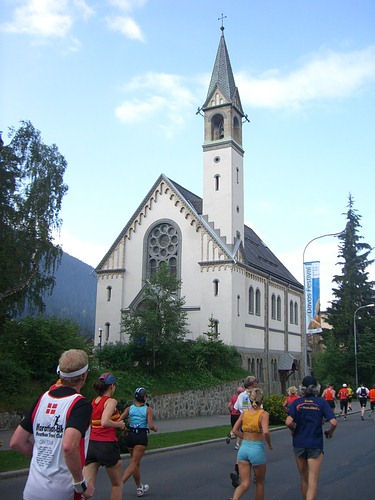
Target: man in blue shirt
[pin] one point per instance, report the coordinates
(305, 417)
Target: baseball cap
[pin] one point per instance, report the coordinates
(108, 378)
(309, 380)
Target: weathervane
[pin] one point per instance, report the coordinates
(222, 21)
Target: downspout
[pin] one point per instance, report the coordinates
(267, 332)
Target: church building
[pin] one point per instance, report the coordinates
(228, 274)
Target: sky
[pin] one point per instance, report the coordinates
(116, 85)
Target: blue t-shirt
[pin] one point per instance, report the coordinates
(308, 413)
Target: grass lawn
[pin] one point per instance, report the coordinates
(12, 460)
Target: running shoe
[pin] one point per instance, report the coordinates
(235, 479)
(142, 490)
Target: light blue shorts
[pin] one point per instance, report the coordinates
(253, 452)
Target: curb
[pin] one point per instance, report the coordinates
(23, 472)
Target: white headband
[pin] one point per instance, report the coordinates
(72, 374)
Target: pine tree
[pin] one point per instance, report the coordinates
(353, 290)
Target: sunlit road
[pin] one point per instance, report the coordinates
(202, 472)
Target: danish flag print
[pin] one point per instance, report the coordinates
(51, 408)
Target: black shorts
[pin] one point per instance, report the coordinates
(106, 453)
(136, 438)
(234, 418)
(362, 402)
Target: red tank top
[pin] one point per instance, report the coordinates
(329, 394)
(98, 432)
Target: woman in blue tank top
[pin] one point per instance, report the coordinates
(140, 424)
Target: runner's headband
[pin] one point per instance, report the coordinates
(81, 371)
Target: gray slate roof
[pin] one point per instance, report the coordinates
(222, 75)
(257, 254)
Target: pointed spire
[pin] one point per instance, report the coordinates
(222, 74)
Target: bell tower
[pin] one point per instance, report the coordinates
(223, 189)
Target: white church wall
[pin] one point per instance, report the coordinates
(294, 343)
(252, 338)
(107, 311)
(231, 220)
(276, 341)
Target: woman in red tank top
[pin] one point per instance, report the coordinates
(103, 448)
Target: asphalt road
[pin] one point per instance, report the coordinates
(202, 472)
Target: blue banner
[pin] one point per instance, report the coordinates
(312, 297)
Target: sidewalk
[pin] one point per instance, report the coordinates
(184, 424)
(172, 425)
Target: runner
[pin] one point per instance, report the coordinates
(343, 396)
(371, 396)
(362, 393)
(329, 394)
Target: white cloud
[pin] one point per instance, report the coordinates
(46, 18)
(327, 75)
(127, 5)
(162, 92)
(126, 26)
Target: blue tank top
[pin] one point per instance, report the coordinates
(138, 416)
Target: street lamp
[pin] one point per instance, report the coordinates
(304, 340)
(355, 341)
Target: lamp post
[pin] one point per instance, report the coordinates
(355, 340)
(304, 340)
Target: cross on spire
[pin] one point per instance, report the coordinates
(222, 21)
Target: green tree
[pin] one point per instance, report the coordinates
(157, 327)
(353, 290)
(31, 192)
(30, 349)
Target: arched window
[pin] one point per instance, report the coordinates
(238, 175)
(278, 308)
(238, 305)
(291, 310)
(259, 374)
(215, 323)
(296, 313)
(274, 370)
(217, 182)
(251, 366)
(257, 302)
(217, 127)
(163, 246)
(109, 293)
(216, 287)
(106, 333)
(273, 306)
(251, 300)
(236, 130)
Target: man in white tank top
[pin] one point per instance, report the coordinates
(59, 421)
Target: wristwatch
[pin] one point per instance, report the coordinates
(80, 487)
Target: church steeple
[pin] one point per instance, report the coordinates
(222, 79)
(223, 197)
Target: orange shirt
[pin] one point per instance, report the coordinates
(371, 395)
